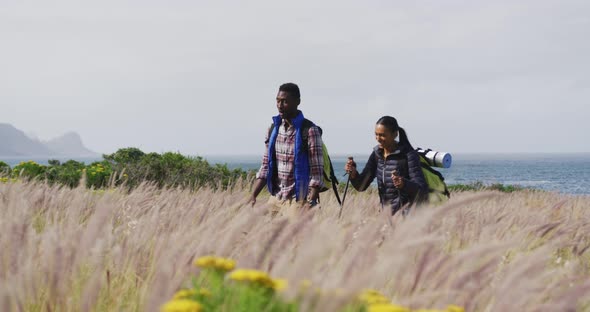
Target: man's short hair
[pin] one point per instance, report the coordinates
(290, 88)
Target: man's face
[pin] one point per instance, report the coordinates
(287, 105)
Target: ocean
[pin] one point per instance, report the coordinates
(563, 173)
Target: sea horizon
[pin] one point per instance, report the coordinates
(567, 173)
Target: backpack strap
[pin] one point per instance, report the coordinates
(305, 138)
(272, 125)
(334, 181)
(305, 125)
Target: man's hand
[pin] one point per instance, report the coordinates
(314, 195)
(310, 204)
(258, 186)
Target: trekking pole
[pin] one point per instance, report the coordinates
(345, 190)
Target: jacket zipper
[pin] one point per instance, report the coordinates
(384, 185)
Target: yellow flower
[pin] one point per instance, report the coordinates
(279, 284)
(188, 293)
(223, 264)
(252, 276)
(239, 275)
(184, 294)
(371, 296)
(205, 261)
(455, 308)
(181, 305)
(386, 307)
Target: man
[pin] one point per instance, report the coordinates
(290, 170)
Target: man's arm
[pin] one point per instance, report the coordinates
(258, 186)
(262, 173)
(316, 163)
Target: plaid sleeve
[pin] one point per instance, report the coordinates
(263, 171)
(316, 158)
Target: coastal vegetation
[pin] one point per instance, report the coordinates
(165, 232)
(135, 249)
(129, 167)
(480, 186)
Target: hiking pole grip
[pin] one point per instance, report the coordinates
(345, 190)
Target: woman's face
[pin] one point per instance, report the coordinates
(385, 137)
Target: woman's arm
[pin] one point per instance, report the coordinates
(416, 185)
(362, 181)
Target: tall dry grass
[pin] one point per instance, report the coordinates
(81, 250)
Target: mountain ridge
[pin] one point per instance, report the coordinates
(15, 143)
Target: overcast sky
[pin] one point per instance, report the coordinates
(200, 77)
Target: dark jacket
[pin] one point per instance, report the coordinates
(407, 163)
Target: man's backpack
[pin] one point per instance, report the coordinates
(329, 177)
(437, 188)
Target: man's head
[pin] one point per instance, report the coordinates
(288, 100)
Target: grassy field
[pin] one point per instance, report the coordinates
(82, 250)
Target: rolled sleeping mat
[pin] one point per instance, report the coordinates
(436, 159)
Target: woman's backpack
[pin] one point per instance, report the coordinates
(437, 188)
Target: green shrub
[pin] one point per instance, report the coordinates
(68, 173)
(131, 166)
(4, 169)
(125, 155)
(480, 186)
(28, 169)
(170, 169)
(506, 188)
(98, 174)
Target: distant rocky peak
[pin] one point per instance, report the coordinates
(69, 138)
(69, 143)
(16, 143)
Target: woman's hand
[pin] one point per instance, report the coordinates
(350, 168)
(398, 181)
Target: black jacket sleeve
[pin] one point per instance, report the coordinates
(364, 179)
(416, 185)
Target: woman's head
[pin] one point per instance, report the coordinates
(386, 131)
(389, 123)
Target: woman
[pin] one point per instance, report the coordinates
(396, 165)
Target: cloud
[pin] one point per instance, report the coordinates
(200, 77)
